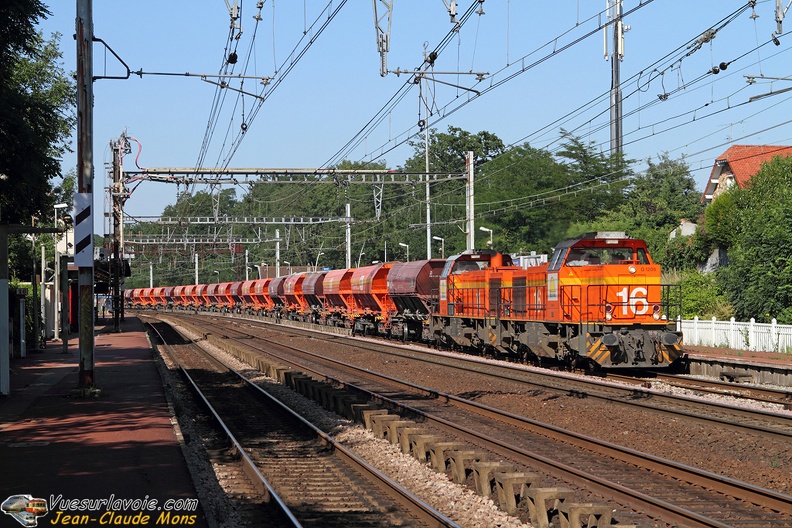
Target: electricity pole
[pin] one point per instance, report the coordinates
(83, 222)
(615, 14)
(118, 195)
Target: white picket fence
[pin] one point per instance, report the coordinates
(765, 337)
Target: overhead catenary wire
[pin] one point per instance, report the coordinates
(652, 126)
(290, 62)
(400, 94)
(690, 47)
(230, 144)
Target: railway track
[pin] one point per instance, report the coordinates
(631, 394)
(665, 490)
(779, 397)
(301, 475)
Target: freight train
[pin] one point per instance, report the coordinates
(597, 302)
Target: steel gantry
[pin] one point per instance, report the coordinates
(262, 176)
(253, 176)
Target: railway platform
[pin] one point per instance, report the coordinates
(108, 458)
(763, 368)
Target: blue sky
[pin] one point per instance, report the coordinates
(335, 88)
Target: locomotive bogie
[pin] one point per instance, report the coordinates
(630, 347)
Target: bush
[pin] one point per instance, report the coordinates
(702, 297)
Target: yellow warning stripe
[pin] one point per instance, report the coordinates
(598, 351)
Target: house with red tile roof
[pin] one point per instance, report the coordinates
(738, 165)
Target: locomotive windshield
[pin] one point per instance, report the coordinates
(595, 256)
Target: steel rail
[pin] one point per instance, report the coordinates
(635, 395)
(258, 480)
(727, 388)
(424, 512)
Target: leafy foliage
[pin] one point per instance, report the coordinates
(702, 297)
(720, 220)
(758, 278)
(447, 150)
(685, 253)
(511, 197)
(36, 119)
(653, 205)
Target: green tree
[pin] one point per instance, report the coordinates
(447, 153)
(36, 119)
(510, 196)
(594, 184)
(447, 150)
(37, 114)
(654, 203)
(758, 278)
(720, 220)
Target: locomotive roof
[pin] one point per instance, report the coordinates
(599, 235)
(490, 252)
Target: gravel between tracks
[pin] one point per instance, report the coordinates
(749, 457)
(764, 462)
(456, 502)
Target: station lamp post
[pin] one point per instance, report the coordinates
(442, 245)
(487, 230)
(218, 276)
(289, 264)
(402, 244)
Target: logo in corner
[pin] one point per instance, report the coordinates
(25, 509)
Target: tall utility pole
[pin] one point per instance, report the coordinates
(615, 14)
(118, 196)
(428, 194)
(780, 13)
(348, 237)
(429, 76)
(83, 243)
(470, 205)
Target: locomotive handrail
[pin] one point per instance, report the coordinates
(599, 296)
(566, 293)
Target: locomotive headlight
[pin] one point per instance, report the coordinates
(656, 312)
(632, 269)
(608, 311)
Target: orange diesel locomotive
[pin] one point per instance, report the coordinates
(598, 301)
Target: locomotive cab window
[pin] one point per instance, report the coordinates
(596, 256)
(469, 265)
(555, 262)
(578, 257)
